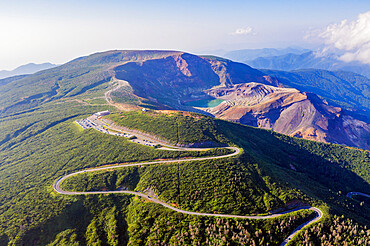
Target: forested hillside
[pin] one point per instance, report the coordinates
(40, 143)
(47, 144)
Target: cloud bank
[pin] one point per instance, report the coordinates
(243, 31)
(351, 37)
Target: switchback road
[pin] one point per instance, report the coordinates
(58, 189)
(354, 193)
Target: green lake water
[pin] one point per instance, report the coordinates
(205, 103)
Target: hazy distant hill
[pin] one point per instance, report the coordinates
(26, 69)
(292, 61)
(251, 54)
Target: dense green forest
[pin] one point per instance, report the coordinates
(151, 224)
(39, 143)
(41, 146)
(336, 230)
(33, 158)
(222, 186)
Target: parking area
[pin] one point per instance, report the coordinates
(96, 123)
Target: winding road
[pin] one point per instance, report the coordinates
(59, 190)
(108, 94)
(355, 193)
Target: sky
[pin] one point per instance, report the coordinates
(58, 31)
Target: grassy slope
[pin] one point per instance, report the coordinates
(324, 172)
(193, 128)
(52, 146)
(151, 223)
(72, 79)
(39, 143)
(46, 144)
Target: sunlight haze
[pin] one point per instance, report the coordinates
(59, 31)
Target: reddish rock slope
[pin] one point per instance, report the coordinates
(288, 111)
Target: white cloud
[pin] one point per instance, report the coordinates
(243, 31)
(352, 37)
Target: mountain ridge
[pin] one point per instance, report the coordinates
(251, 54)
(164, 80)
(29, 68)
(344, 89)
(289, 111)
(311, 59)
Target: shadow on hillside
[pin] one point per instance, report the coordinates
(4, 240)
(78, 216)
(323, 171)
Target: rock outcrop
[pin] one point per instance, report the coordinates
(288, 111)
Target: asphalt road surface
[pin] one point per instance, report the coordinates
(355, 193)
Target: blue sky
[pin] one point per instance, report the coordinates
(58, 31)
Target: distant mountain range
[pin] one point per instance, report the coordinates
(307, 60)
(29, 68)
(251, 54)
(172, 80)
